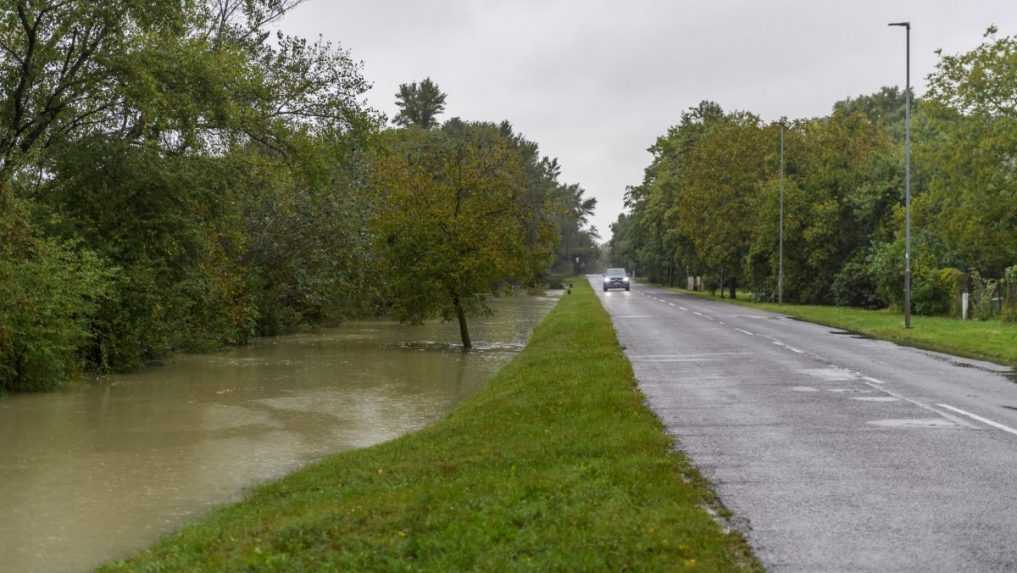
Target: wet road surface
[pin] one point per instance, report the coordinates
(834, 452)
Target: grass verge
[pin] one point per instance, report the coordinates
(990, 340)
(557, 465)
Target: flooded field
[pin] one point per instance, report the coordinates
(100, 470)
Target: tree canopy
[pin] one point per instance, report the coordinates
(708, 203)
(179, 176)
(419, 105)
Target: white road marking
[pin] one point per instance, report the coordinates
(803, 389)
(744, 331)
(697, 313)
(873, 380)
(670, 304)
(791, 348)
(985, 421)
(830, 373)
(950, 417)
(875, 399)
(913, 423)
(682, 308)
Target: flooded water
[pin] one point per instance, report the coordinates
(98, 471)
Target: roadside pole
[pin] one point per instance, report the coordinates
(780, 272)
(907, 176)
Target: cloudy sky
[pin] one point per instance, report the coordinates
(595, 82)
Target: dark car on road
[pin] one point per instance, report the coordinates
(616, 278)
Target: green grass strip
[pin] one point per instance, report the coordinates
(990, 339)
(557, 465)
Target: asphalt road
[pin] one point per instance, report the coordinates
(834, 452)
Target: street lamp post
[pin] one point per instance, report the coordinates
(907, 177)
(780, 271)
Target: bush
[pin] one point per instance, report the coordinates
(855, 284)
(930, 293)
(47, 298)
(886, 267)
(931, 287)
(954, 281)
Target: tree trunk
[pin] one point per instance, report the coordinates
(464, 329)
(733, 287)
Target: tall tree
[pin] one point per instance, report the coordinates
(452, 226)
(419, 105)
(971, 150)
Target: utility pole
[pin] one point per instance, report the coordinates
(780, 272)
(907, 176)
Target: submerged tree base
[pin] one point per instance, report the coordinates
(556, 465)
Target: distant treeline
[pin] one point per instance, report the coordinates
(175, 177)
(708, 204)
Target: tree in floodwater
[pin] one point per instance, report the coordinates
(419, 105)
(452, 224)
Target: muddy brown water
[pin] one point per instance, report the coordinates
(99, 471)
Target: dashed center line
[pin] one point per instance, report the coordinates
(743, 331)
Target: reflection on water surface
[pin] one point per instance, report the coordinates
(98, 471)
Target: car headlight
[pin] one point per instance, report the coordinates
(626, 279)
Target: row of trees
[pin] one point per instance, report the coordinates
(175, 177)
(709, 201)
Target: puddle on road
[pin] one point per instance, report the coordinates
(926, 423)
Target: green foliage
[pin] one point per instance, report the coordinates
(452, 225)
(47, 297)
(931, 287)
(855, 284)
(419, 105)
(954, 284)
(709, 200)
(221, 171)
(972, 133)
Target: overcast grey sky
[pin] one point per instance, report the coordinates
(595, 82)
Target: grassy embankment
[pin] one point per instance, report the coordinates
(556, 465)
(990, 340)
